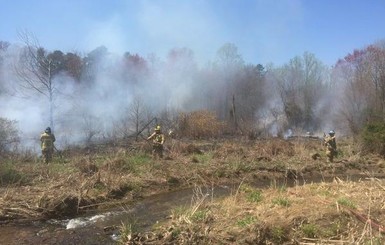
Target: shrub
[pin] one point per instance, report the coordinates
(9, 175)
(126, 232)
(8, 135)
(373, 138)
(200, 124)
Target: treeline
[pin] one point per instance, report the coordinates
(103, 94)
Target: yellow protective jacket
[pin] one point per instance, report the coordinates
(157, 138)
(330, 142)
(47, 141)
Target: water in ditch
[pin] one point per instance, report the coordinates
(103, 228)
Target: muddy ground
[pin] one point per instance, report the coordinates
(103, 177)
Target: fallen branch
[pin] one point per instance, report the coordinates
(322, 241)
(366, 220)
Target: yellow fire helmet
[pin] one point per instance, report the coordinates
(157, 128)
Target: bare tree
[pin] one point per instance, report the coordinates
(37, 70)
(136, 116)
(361, 76)
(376, 74)
(229, 64)
(137, 112)
(302, 85)
(250, 95)
(91, 127)
(3, 48)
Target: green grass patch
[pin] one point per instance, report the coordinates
(199, 215)
(139, 159)
(278, 234)
(246, 221)
(281, 201)
(237, 164)
(204, 159)
(333, 229)
(134, 163)
(374, 241)
(100, 186)
(61, 168)
(254, 196)
(310, 230)
(179, 211)
(139, 163)
(322, 192)
(126, 231)
(176, 232)
(346, 203)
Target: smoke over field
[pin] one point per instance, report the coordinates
(114, 93)
(103, 95)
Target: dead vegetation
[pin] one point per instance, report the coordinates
(301, 212)
(341, 212)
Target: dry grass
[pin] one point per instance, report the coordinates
(341, 212)
(200, 125)
(309, 214)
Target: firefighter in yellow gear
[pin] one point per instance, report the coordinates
(47, 140)
(157, 142)
(331, 146)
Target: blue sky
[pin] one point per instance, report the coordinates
(265, 31)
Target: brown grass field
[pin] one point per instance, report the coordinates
(304, 199)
